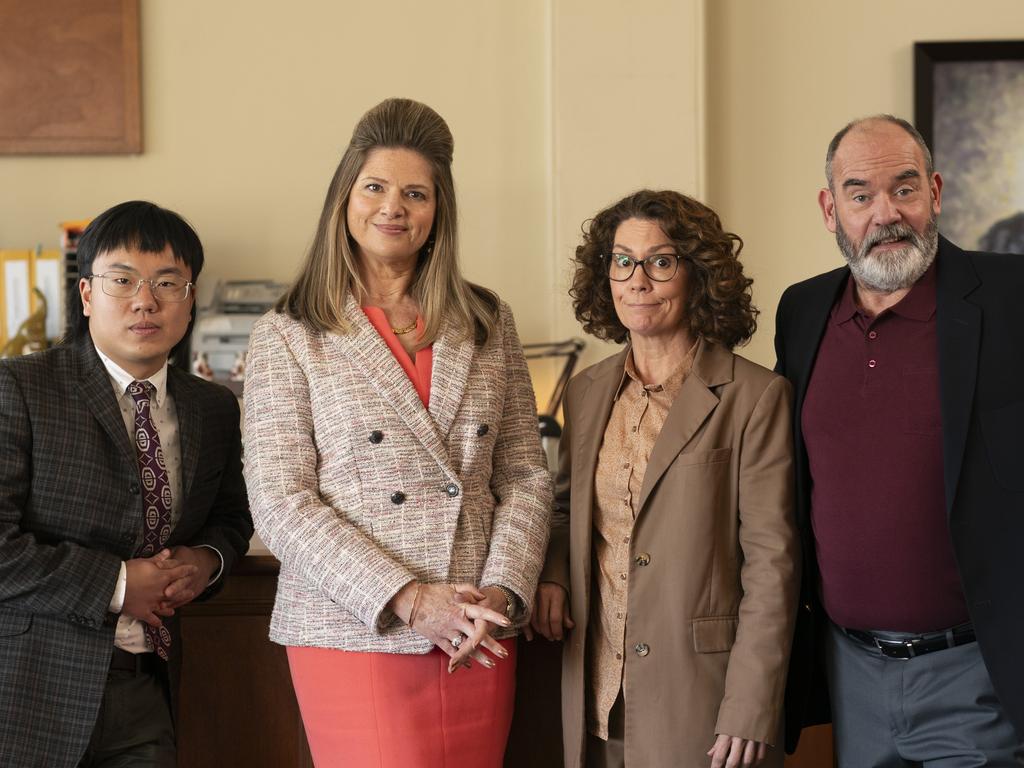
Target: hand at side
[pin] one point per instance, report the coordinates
(731, 752)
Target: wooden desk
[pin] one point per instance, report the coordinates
(238, 706)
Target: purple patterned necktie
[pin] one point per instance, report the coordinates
(156, 494)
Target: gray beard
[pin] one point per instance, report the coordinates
(899, 268)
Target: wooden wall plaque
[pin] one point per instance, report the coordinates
(69, 77)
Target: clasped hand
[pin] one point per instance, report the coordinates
(156, 586)
(461, 612)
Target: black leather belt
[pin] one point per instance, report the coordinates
(136, 663)
(910, 647)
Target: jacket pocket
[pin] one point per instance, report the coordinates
(715, 634)
(1003, 433)
(12, 623)
(713, 456)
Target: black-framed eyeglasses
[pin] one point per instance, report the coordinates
(124, 285)
(661, 267)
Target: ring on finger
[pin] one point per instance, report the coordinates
(457, 641)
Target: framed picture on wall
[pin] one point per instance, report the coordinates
(69, 77)
(969, 106)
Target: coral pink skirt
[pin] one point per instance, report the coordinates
(388, 709)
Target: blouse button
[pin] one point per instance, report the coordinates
(482, 430)
(397, 497)
(376, 436)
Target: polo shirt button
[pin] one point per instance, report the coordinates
(642, 649)
(376, 436)
(452, 490)
(482, 430)
(872, 363)
(397, 497)
(872, 334)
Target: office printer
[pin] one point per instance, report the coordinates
(221, 334)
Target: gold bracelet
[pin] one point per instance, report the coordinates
(415, 604)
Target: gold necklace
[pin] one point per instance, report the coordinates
(403, 331)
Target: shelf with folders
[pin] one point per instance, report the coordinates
(71, 231)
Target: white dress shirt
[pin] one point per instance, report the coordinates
(129, 635)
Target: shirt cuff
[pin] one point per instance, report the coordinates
(213, 579)
(117, 601)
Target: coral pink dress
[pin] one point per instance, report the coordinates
(387, 710)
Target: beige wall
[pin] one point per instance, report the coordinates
(247, 107)
(783, 77)
(628, 90)
(558, 107)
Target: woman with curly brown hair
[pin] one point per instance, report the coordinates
(672, 568)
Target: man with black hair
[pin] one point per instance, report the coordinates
(121, 499)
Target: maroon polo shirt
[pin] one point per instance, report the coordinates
(872, 425)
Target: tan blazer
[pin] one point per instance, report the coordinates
(358, 489)
(710, 616)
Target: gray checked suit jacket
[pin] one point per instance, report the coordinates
(70, 512)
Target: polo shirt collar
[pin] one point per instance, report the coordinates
(918, 304)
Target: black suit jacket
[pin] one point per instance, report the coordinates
(70, 512)
(980, 332)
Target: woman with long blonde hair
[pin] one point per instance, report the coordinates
(395, 467)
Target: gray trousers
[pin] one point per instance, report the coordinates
(933, 711)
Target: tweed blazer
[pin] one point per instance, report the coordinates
(358, 489)
(70, 512)
(714, 565)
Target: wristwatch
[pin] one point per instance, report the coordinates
(511, 601)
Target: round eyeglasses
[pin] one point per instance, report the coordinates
(124, 285)
(660, 268)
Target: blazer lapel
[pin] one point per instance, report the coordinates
(190, 426)
(590, 418)
(958, 327)
(364, 346)
(100, 400)
(453, 357)
(712, 366)
(815, 314)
